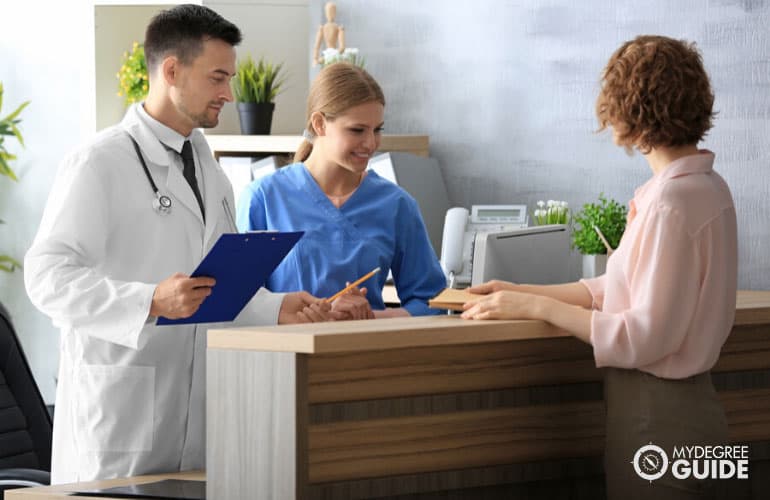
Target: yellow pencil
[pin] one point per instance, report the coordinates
(353, 285)
(604, 240)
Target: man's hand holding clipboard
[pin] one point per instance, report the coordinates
(227, 278)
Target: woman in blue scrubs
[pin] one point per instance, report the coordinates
(353, 219)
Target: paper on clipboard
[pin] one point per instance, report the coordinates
(241, 263)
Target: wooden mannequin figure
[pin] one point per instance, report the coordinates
(331, 33)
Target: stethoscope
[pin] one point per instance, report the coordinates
(161, 203)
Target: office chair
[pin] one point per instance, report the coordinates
(25, 426)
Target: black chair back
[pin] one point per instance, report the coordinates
(25, 425)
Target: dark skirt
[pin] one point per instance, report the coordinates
(644, 409)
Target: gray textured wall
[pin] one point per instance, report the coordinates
(506, 89)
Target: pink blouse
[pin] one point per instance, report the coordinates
(667, 301)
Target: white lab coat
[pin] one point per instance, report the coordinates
(130, 398)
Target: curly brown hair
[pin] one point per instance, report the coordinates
(655, 92)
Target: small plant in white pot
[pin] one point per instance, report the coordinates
(609, 217)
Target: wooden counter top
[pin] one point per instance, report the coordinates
(753, 307)
(351, 336)
(60, 491)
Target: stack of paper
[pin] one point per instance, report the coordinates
(451, 298)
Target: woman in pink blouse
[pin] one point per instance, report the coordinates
(659, 316)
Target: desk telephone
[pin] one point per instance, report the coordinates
(495, 242)
(460, 229)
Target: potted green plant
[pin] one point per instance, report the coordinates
(605, 219)
(255, 87)
(9, 127)
(132, 76)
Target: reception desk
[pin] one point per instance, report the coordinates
(425, 406)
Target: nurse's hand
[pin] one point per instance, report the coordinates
(502, 305)
(492, 286)
(353, 305)
(301, 307)
(179, 296)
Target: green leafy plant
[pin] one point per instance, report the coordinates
(608, 215)
(9, 127)
(257, 82)
(132, 75)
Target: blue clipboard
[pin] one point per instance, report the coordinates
(241, 263)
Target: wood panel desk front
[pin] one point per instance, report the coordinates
(424, 405)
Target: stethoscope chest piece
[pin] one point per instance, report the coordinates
(162, 204)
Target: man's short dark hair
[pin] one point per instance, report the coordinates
(181, 32)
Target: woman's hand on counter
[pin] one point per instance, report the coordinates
(505, 304)
(492, 286)
(518, 305)
(571, 293)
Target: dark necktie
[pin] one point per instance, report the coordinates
(189, 174)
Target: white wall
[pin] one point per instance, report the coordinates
(116, 28)
(54, 78)
(506, 91)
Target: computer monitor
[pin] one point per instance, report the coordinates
(240, 171)
(537, 255)
(420, 177)
(264, 166)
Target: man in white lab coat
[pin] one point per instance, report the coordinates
(108, 258)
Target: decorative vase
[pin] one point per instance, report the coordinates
(594, 265)
(256, 117)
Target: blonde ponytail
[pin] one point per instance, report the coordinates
(303, 151)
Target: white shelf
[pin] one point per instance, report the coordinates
(260, 145)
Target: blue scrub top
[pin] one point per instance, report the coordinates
(379, 225)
